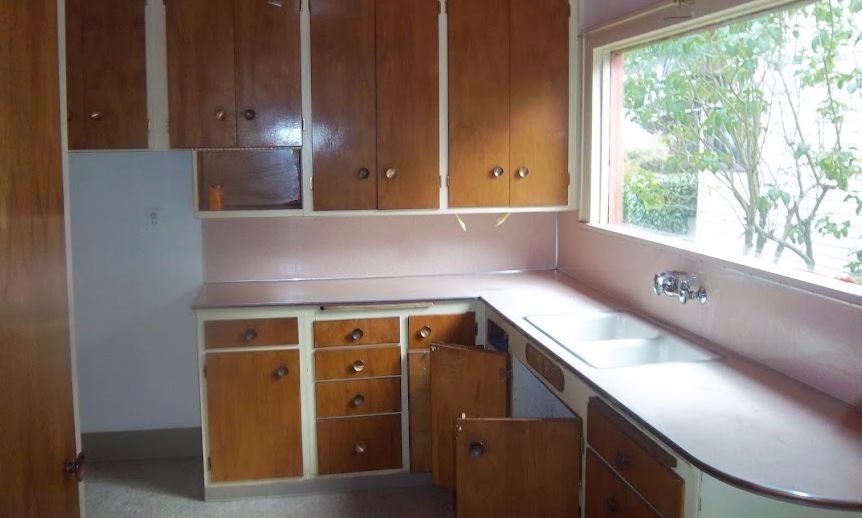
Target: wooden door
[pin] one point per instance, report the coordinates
(260, 440)
(539, 118)
(75, 75)
(464, 380)
(201, 92)
(408, 125)
(268, 97)
(343, 104)
(518, 467)
(37, 434)
(478, 103)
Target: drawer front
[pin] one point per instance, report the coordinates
(357, 363)
(636, 458)
(353, 444)
(363, 331)
(454, 329)
(608, 495)
(348, 398)
(254, 332)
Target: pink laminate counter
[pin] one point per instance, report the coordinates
(735, 420)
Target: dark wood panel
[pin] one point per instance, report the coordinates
(37, 435)
(260, 440)
(547, 368)
(608, 495)
(201, 89)
(636, 458)
(354, 444)
(343, 104)
(359, 362)
(359, 331)
(251, 179)
(467, 381)
(268, 96)
(539, 102)
(419, 399)
(454, 329)
(408, 110)
(360, 397)
(254, 332)
(518, 467)
(75, 75)
(478, 102)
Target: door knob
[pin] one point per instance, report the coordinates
(477, 449)
(364, 173)
(249, 115)
(77, 467)
(281, 372)
(358, 366)
(425, 332)
(523, 172)
(358, 400)
(390, 173)
(220, 114)
(97, 116)
(497, 172)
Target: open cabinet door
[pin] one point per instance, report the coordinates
(518, 467)
(464, 380)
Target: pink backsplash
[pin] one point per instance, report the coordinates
(384, 246)
(814, 339)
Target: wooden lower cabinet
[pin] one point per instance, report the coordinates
(355, 444)
(358, 362)
(608, 495)
(253, 415)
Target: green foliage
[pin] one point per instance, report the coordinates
(659, 201)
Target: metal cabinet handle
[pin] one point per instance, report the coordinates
(357, 334)
(250, 334)
(425, 332)
(477, 449)
(390, 173)
(497, 172)
(358, 366)
(358, 400)
(360, 447)
(97, 116)
(523, 172)
(220, 114)
(612, 507)
(281, 372)
(77, 467)
(249, 115)
(622, 461)
(364, 173)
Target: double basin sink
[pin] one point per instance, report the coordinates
(616, 339)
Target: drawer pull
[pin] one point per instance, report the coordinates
(523, 172)
(249, 114)
(360, 447)
(612, 508)
(249, 335)
(390, 173)
(622, 461)
(497, 172)
(358, 366)
(220, 114)
(358, 400)
(281, 372)
(357, 334)
(477, 449)
(364, 173)
(425, 332)
(97, 116)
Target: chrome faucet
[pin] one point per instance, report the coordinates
(684, 286)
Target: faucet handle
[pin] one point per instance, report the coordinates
(684, 292)
(658, 283)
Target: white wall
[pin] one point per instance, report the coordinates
(134, 286)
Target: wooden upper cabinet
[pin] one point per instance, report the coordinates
(408, 126)
(268, 97)
(479, 172)
(201, 85)
(539, 60)
(343, 101)
(106, 74)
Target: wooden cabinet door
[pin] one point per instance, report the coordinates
(607, 495)
(75, 75)
(343, 104)
(478, 103)
(419, 400)
(423, 330)
(464, 380)
(408, 126)
(518, 467)
(201, 93)
(260, 440)
(268, 97)
(539, 118)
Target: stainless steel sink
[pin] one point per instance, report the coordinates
(612, 339)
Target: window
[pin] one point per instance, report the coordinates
(742, 138)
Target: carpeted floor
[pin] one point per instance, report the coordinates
(172, 488)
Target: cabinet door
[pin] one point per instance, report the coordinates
(423, 330)
(408, 126)
(75, 74)
(478, 103)
(343, 104)
(268, 97)
(539, 102)
(518, 467)
(260, 440)
(201, 73)
(419, 400)
(467, 381)
(607, 495)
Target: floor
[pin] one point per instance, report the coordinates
(172, 488)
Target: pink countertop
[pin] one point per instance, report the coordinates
(736, 420)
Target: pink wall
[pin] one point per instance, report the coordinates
(332, 247)
(812, 338)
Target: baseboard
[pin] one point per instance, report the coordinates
(165, 443)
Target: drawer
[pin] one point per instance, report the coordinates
(638, 459)
(362, 362)
(352, 444)
(363, 331)
(607, 495)
(454, 329)
(348, 398)
(254, 332)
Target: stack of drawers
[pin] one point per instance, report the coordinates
(358, 394)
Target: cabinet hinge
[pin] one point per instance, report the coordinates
(447, 180)
(311, 183)
(209, 463)
(302, 123)
(205, 370)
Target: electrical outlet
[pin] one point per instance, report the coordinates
(153, 218)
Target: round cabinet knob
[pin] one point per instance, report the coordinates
(77, 467)
(497, 172)
(364, 173)
(249, 335)
(249, 115)
(425, 332)
(523, 172)
(477, 449)
(281, 372)
(358, 400)
(357, 334)
(220, 114)
(358, 366)
(360, 447)
(97, 116)
(612, 508)
(390, 173)
(622, 461)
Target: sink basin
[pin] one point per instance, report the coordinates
(610, 340)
